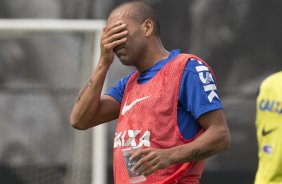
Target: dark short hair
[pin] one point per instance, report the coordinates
(143, 11)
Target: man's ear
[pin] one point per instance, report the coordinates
(148, 27)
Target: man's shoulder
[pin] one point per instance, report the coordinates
(195, 65)
(127, 77)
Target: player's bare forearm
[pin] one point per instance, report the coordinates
(90, 108)
(206, 145)
(215, 139)
(88, 99)
(212, 141)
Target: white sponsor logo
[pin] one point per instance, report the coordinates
(207, 80)
(132, 139)
(128, 107)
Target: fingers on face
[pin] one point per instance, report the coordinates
(114, 35)
(112, 45)
(110, 26)
(113, 29)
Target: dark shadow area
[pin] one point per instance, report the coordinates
(8, 176)
(227, 177)
(33, 174)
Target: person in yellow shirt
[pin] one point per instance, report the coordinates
(269, 130)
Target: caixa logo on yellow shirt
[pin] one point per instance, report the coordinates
(271, 106)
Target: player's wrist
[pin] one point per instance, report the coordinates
(171, 156)
(177, 155)
(104, 64)
(106, 58)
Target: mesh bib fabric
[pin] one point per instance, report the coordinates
(148, 118)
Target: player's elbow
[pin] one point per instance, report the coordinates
(77, 123)
(225, 140)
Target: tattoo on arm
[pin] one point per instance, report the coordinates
(89, 83)
(197, 155)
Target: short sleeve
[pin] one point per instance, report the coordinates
(117, 90)
(198, 91)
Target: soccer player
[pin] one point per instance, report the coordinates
(169, 106)
(269, 130)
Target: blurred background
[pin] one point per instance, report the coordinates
(41, 74)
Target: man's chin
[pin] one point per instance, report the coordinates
(124, 60)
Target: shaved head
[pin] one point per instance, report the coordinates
(140, 11)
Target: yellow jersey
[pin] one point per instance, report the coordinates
(269, 130)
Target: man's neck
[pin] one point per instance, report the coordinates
(153, 55)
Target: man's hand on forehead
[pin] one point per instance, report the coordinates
(115, 31)
(114, 35)
(110, 25)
